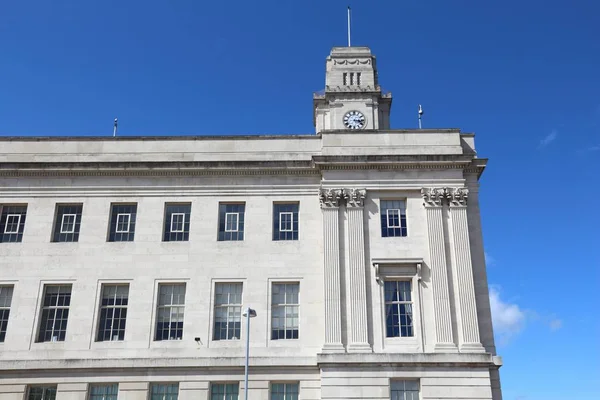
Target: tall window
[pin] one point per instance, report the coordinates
(104, 392)
(404, 390)
(163, 391)
(358, 82)
(12, 223)
(55, 313)
(41, 393)
(6, 293)
(231, 221)
(228, 311)
(284, 391)
(122, 222)
(398, 309)
(113, 312)
(177, 222)
(169, 319)
(393, 218)
(67, 223)
(224, 391)
(284, 311)
(285, 221)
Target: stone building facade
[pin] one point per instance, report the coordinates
(126, 263)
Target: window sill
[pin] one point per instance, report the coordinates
(230, 343)
(284, 343)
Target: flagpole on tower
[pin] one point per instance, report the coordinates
(349, 45)
(420, 115)
(115, 128)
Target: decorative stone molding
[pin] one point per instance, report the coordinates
(457, 197)
(330, 197)
(352, 62)
(355, 197)
(433, 197)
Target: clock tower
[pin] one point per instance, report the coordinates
(352, 98)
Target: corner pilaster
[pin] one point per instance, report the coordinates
(432, 200)
(357, 292)
(330, 204)
(462, 270)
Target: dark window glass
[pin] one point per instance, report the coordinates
(284, 391)
(393, 218)
(224, 391)
(122, 222)
(285, 311)
(104, 392)
(228, 311)
(6, 293)
(162, 391)
(171, 304)
(404, 390)
(113, 312)
(42, 393)
(12, 223)
(68, 223)
(55, 313)
(398, 309)
(177, 222)
(285, 221)
(231, 221)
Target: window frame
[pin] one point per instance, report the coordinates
(226, 208)
(399, 214)
(170, 306)
(10, 211)
(292, 210)
(225, 385)
(59, 235)
(398, 304)
(55, 307)
(116, 211)
(128, 215)
(164, 395)
(291, 221)
(62, 223)
(237, 221)
(4, 318)
(18, 224)
(285, 384)
(44, 387)
(230, 311)
(404, 391)
(391, 231)
(172, 209)
(99, 328)
(174, 223)
(284, 306)
(105, 395)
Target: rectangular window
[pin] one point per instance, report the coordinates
(345, 76)
(285, 221)
(104, 392)
(55, 313)
(177, 222)
(284, 311)
(12, 223)
(171, 304)
(6, 293)
(67, 222)
(351, 78)
(231, 221)
(113, 312)
(228, 311)
(284, 391)
(393, 218)
(358, 78)
(41, 393)
(122, 222)
(224, 391)
(404, 390)
(164, 391)
(398, 309)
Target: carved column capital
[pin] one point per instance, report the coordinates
(330, 197)
(457, 197)
(355, 197)
(433, 197)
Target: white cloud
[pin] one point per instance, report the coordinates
(508, 318)
(549, 138)
(555, 324)
(489, 260)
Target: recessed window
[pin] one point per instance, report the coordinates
(122, 222)
(231, 221)
(55, 313)
(345, 79)
(164, 391)
(284, 391)
(171, 304)
(67, 222)
(228, 311)
(104, 392)
(42, 392)
(113, 312)
(12, 223)
(398, 309)
(177, 222)
(358, 78)
(224, 391)
(393, 218)
(404, 390)
(6, 293)
(284, 311)
(285, 221)
(351, 78)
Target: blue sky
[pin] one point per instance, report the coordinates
(522, 75)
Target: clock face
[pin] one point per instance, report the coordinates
(354, 120)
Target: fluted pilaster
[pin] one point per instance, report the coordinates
(357, 291)
(466, 306)
(433, 198)
(330, 202)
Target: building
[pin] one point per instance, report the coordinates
(126, 263)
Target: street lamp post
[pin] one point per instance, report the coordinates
(249, 313)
